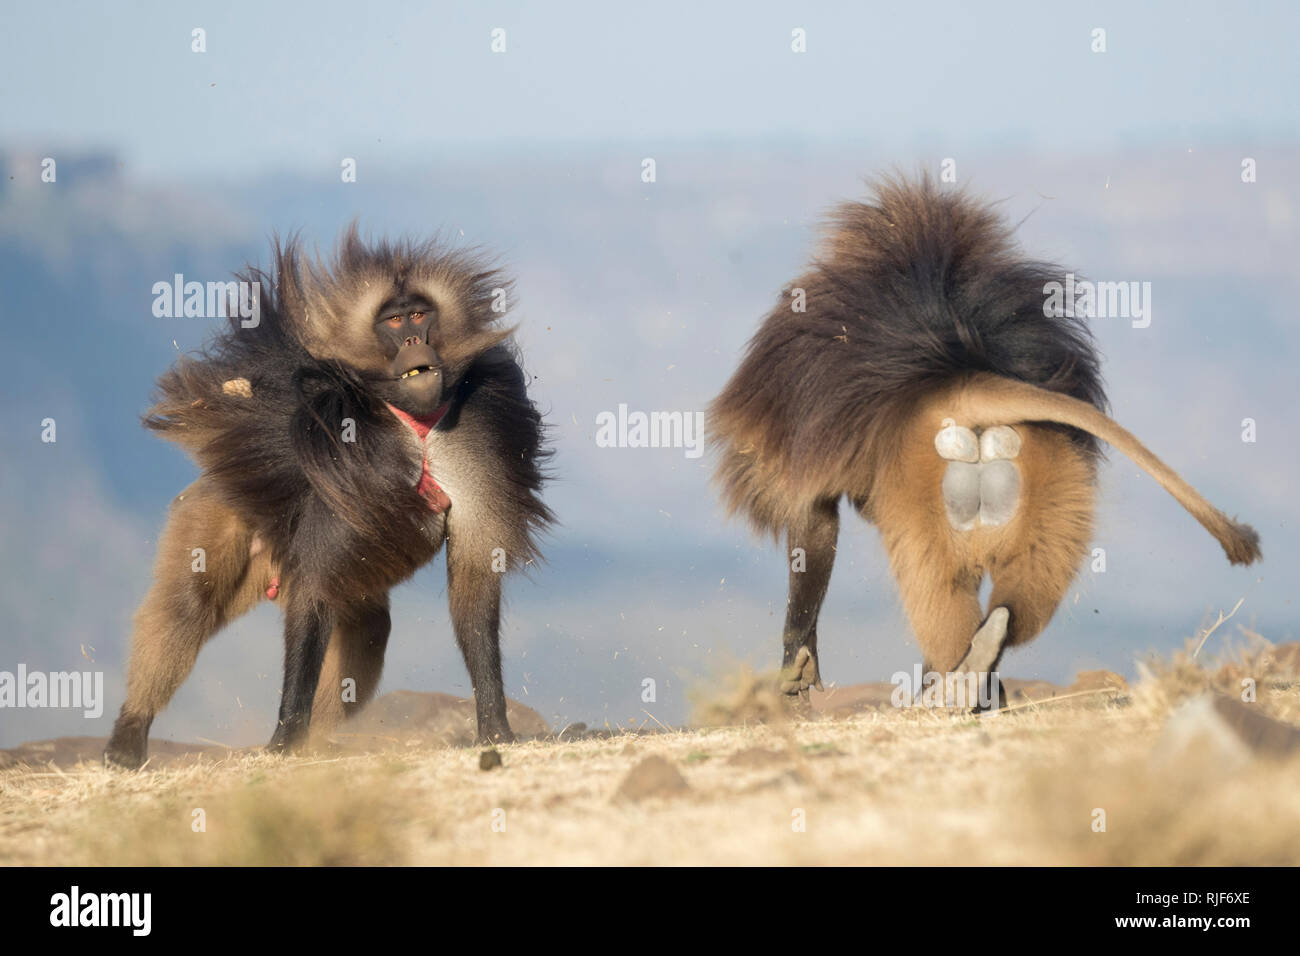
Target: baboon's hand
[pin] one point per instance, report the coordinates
(801, 673)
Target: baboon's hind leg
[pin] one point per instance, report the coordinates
(192, 596)
(1032, 584)
(356, 652)
(811, 553)
(1025, 595)
(941, 597)
(1033, 567)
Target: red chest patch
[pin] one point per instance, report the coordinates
(428, 488)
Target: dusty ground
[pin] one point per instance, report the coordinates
(883, 786)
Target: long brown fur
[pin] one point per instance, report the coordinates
(920, 309)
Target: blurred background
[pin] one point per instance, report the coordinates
(1122, 165)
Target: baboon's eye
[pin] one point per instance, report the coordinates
(394, 321)
(417, 317)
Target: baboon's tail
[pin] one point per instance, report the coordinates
(994, 400)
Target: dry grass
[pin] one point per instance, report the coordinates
(883, 787)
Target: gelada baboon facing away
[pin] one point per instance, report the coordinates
(913, 371)
(373, 413)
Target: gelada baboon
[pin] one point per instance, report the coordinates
(375, 411)
(913, 371)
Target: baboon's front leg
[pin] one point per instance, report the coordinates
(307, 626)
(474, 593)
(811, 553)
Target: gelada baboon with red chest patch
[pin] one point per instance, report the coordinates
(374, 412)
(914, 370)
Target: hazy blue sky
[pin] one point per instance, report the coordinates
(1124, 165)
(297, 85)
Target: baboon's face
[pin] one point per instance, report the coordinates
(411, 322)
(407, 334)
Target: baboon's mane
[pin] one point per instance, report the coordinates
(917, 286)
(276, 450)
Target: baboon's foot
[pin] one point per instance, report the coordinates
(986, 645)
(985, 650)
(129, 745)
(801, 673)
(996, 703)
(981, 485)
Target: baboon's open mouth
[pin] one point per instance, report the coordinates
(411, 373)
